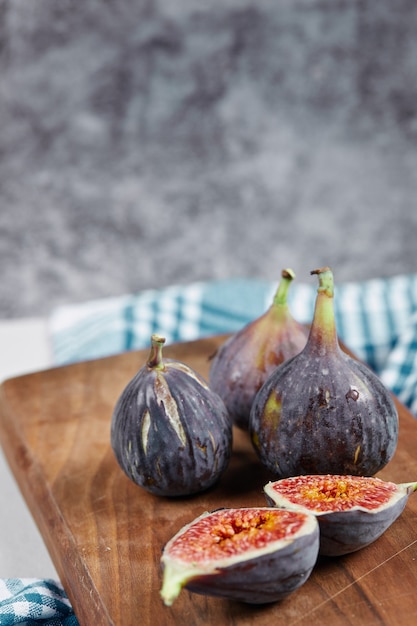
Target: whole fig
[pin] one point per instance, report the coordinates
(352, 511)
(323, 412)
(170, 433)
(253, 555)
(242, 364)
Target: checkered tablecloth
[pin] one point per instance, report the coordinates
(30, 601)
(377, 319)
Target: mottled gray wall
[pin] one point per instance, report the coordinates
(144, 143)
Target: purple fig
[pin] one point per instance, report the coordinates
(352, 511)
(253, 555)
(170, 433)
(323, 412)
(242, 364)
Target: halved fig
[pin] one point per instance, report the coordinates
(253, 555)
(352, 511)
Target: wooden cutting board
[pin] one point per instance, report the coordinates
(105, 534)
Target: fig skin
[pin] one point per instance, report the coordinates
(323, 412)
(257, 576)
(351, 529)
(242, 364)
(170, 433)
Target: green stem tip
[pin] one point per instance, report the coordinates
(326, 282)
(323, 328)
(155, 360)
(287, 276)
(409, 487)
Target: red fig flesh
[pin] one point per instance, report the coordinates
(323, 412)
(244, 361)
(253, 555)
(352, 511)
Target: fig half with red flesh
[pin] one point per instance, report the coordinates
(252, 555)
(352, 511)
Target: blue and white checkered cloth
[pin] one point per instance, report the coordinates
(30, 601)
(376, 319)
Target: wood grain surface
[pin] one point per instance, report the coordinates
(105, 534)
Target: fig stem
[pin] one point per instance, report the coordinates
(323, 327)
(409, 487)
(326, 282)
(155, 360)
(280, 298)
(175, 577)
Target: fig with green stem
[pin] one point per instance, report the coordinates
(171, 434)
(242, 364)
(324, 412)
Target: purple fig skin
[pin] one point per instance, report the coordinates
(243, 363)
(272, 577)
(343, 532)
(170, 433)
(349, 531)
(258, 576)
(323, 412)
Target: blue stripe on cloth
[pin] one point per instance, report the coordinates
(372, 319)
(228, 305)
(129, 332)
(400, 371)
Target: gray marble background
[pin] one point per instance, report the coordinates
(145, 143)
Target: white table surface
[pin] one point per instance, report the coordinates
(24, 348)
